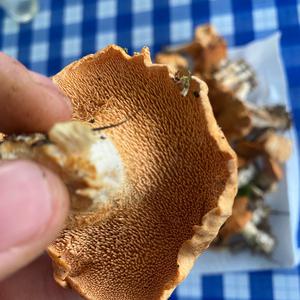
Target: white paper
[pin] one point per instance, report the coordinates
(264, 57)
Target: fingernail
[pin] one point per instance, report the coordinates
(46, 82)
(26, 202)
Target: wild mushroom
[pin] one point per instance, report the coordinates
(207, 49)
(236, 76)
(275, 117)
(231, 113)
(248, 150)
(246, 223)
(273, 169)
(276, 146)
(269, 175)
(251, 129)
(246, 175)
(178, 184)
(268, 142)
(241, 215)
(174, 60)
(258, 239)
(257, 232)
(242, 162)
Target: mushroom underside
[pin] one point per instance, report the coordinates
(179, 185)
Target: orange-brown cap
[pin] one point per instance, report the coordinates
(231, 113)
(248, 150)
(241, 215)
(273, 169)
(276, 146)
(174, 60)
(180, 179)
(208, 49)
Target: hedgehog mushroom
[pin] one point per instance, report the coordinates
(231, 113)
(241, 215)
(178, 187)
(174, 61)
(207, 50)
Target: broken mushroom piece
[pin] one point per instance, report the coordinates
(246, 175)
(273, 169)
(178, 184)
(248, 150)
(207, 49)
(231, 113)
(236, 76)
(276, 146)
(270, 174)
(241, 215)
(257, 232)
(173, 60)
(89, 165)
(275, 117)
(247, 225)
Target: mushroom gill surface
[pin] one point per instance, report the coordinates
(180, 179)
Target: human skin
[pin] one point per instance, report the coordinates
(33, 201)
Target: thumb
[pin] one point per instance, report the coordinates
(33, 208)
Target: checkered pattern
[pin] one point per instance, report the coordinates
(66, 30)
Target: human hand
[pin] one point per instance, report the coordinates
(33, 201)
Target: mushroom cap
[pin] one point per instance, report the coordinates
(241, 215)
(180, 179)
(174, 60)
(273, 169)
(231, 113)
(206, 35)
(248, 150)
(276, 146)
(208, 49)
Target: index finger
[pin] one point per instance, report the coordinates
(28, 101)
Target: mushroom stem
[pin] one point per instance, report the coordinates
(90, 167)
(246, 175)
(257, 238)
(236, 76)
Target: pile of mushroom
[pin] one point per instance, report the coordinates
(255, 133)
(151, 176)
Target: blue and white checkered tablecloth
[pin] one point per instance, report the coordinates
(65, 30)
